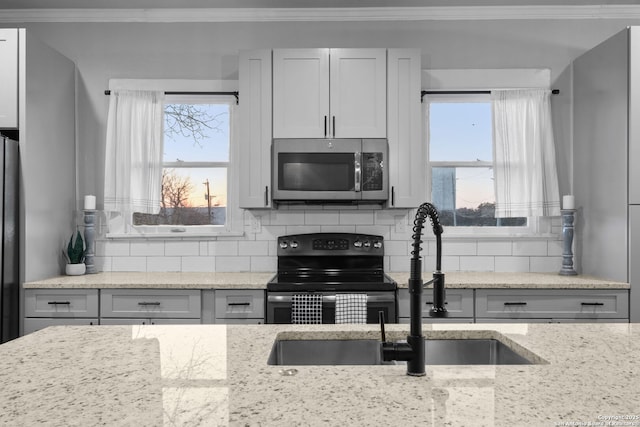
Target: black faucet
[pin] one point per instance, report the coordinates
(413, 350)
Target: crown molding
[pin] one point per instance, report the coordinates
(457, 13)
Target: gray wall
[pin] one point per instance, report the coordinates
(47, 141)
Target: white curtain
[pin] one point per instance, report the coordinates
(525, 175)
(133, 166)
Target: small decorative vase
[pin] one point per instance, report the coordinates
(75, 269)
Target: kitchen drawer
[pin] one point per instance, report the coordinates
(147, 321)
(459, 302)
(150, 303)
(550, 304)
(239, 304)
(68, 303)
(32, 324)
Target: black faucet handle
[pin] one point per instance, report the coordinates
(381, 319)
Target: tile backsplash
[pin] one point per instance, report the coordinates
(256, 250)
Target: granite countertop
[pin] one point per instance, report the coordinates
(208, 375)
(461, 280)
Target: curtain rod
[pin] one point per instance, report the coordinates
(234, 93)
(464, 92)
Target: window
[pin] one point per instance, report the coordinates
(461, 161)
(196, 162)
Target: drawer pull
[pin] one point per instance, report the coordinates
(514, 303)
(431, 303)
(592, 303)
(148, 303)
(59, 303)
(239, 303)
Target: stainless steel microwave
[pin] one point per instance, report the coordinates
(330, 169)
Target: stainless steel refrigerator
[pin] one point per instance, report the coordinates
(10, 246)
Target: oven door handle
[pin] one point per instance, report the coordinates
(357, 163)
(331, 298)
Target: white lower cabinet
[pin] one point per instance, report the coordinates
(148, 321)
(552, 305)
(242, 306)
(150, 306)
(55, 307)
(459, 304)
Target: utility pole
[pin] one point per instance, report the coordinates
(208, 197)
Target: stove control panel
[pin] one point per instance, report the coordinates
(330, 244)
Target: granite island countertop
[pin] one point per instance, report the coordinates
(461, 280)
(209, 375)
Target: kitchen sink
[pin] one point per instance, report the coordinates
(368, 352)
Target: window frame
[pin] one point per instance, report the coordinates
(124, 227)
(535, 226)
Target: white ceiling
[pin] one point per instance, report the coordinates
(180, 4)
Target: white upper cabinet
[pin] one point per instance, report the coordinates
(329, 93)
(255, 129)
(9, 78)
(407, 158)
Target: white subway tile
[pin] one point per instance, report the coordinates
(128, 263)
(555, 247)
(116, 248)
(390, 217)
(264, 264)
(338, 228)
(257, 248)
(477, 263)
(147, 248)
(204, 248)
(280, 217)
(396, 248)
(184, 248)
(529, 247)
(545, 264)
(271, 232)
(223, 248)
(356, 217)
(494, 247)
(199, 264)
(301, 229)
(512, 264)
(164, 263)
(233, 263)
(102, 263)
(449, 263)
(455, 248)
(321, 217)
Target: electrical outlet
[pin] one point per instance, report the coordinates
(256, 224)
(401, 224)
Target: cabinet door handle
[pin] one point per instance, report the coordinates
(393, 196)
(266, 195)
(238, 303)
(325, 126)
(334, 126)
(59, 303)
(148, 303)
(515, 303)
(592, 303)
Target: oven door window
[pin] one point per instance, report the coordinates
(316, 171)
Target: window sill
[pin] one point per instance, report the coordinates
(496, 237)
(177, 236)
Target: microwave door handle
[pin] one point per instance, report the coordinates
(357, 170)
